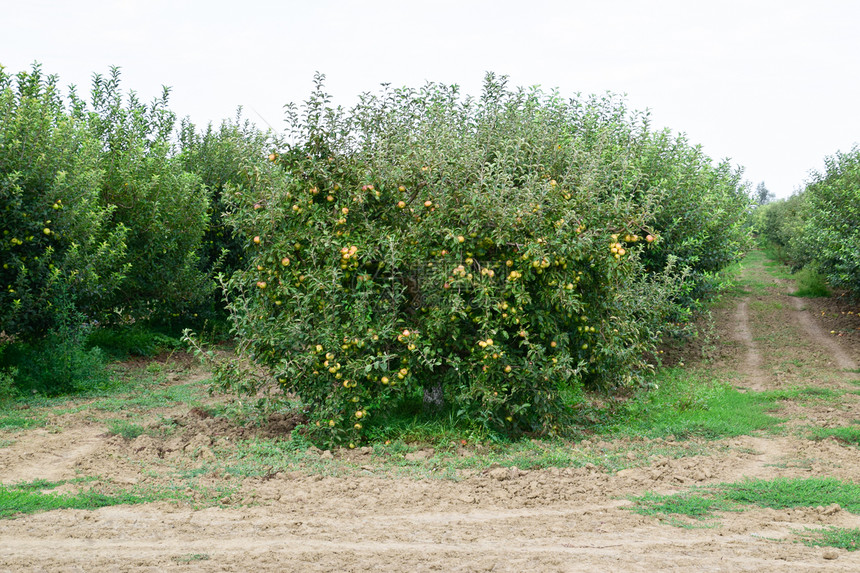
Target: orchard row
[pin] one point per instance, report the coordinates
(820, 226)
(495, 253)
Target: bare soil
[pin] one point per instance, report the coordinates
(489, 519)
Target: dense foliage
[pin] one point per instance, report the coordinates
(494, 255)
(60, 253)
(833, 227)
(699, 211)
(821, 225)
(487, 252)
(107, 218)
(218, 157)
(163, 206)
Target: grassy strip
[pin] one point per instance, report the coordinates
(25, 498)
(782, 493)
(779, 493)
(255, 458)
(839, 537)
(848, 434)
(692, 504)
(133, 390)
(688, 403)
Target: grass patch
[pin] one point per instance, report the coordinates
(132, 389)
(810, 283)
(777, 270)
(410, 422)
(693, 505)
(839, 537)
(765, 305)
(152, 395)
(806, 394)
(779, 493)
(14, 420)
(120, 342)
(190, 558)
(454, 460)
(687, 403)
(683, 403)
(124, 428)
(848, 434)
(25, 498)
(782, 493)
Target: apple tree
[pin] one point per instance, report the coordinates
(486, 250)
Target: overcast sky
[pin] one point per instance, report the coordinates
(774, 85)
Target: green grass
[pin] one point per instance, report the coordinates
(19, 499)
(688, 403)
(765, 305)
(806, 395)
(14, 420)
(684, 404)
(839, 537)
(120, 342)
(781, 493)
(848, 434)
(810, 284)
(33, 497)
(692, 505)
(410, 422)
(190, 558)
(777, 270)
(133, 390)
(152, 395)
(125, 428)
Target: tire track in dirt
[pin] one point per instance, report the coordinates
(815, 332)
(41, 454)
(754, 376)
(289, 539)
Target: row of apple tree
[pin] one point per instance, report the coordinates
(820, 225)
(492, 253)
(110, 210)
(109, 207)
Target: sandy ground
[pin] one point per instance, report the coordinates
(490, 519)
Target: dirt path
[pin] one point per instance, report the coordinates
(49, 456)
(815, 332)
(490, 519)
(753, 376)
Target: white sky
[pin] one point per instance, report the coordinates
(771, 84)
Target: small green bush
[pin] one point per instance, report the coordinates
(810, 283)
(120, 341)
(58, 363)
(7, 383)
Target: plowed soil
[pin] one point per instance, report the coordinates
(486, 519)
